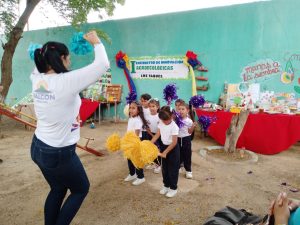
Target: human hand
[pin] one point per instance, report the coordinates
(293, 204)
(162, 154)
(281, 210)
(92, 37)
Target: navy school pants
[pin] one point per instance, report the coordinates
(185, 145)
(170, 167)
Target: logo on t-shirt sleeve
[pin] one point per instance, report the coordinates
(75, 126)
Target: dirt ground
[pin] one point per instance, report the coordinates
(112, 201)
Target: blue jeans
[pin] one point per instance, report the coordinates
(62, 170)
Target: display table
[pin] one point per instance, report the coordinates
(263, 133)
(88, 107)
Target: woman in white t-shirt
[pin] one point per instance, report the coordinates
(169, 152)
(136, 123)
(55, 92)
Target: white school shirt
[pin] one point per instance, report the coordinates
(153, 121)
(135, 123)
(167, 131)
(57, 102)
(183, 131)
(146, 112)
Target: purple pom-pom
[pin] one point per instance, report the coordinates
(131, 97)
(206, 121)
(197, 101)
(170, 93)
(178, 119)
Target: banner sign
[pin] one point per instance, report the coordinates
(260, 70)
(158, 68)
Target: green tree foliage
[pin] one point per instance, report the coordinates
(12, 24)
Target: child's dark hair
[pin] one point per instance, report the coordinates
(141, 114)
(49, 57)
(146, 96)
(156, 102)
(179, 100)
(165, 113)
(191, 112)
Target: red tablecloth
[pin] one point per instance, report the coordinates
(263, 133)
(87, 108)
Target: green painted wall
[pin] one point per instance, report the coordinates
(226, 40)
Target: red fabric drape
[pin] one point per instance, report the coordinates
(87, 108)
(263, 133)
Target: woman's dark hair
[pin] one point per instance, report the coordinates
(49, 57)
(165, 113)
(141, 114)
(146, 96)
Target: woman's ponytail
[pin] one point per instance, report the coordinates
(49, 57)
(40, 61)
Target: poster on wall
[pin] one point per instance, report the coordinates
(260, 70)
(158, 68)
(97, 91)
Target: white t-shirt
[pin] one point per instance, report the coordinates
(135, 123)
(57, 102)
(153, 121)
(183, 131)
(167, 131)
(146, 112)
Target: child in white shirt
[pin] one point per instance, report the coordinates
(144, 100)
(153, 121)
(169, 152)
(136, 122)
(184, 139)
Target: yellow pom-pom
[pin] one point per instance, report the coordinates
(129, 143)
(148, 152)
(136, 158)
(113, 142)
(139, 152)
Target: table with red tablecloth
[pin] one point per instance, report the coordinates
(263, 133)
(88, 107)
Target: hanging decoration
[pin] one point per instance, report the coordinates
(193, 63)
(122, 62)
(79, 45)
(31, 48)
(170, 93)
(197, 101)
